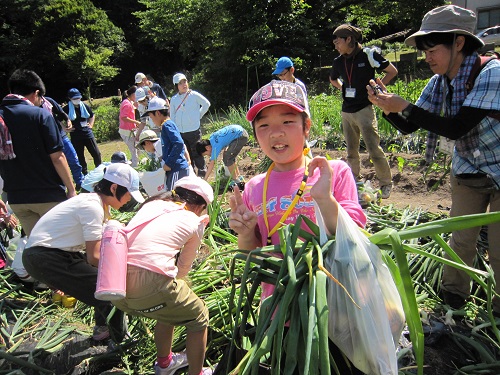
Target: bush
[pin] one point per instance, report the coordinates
(326, 119)
(106, 122)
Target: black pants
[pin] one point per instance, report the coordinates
(91, 145)
(190, 139)
(71, 273)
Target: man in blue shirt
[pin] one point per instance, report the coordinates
(465, 108)
(229, 139)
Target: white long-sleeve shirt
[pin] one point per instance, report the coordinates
(187, 113)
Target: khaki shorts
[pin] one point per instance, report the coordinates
(169, 301)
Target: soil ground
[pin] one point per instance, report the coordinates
(410, 187)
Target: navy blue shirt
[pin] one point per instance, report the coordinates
(82, 131)
(31, 177)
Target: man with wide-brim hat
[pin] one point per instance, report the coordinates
(447, 19)
(460, 103)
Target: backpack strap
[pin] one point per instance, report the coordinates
(479, 64)
(128, 229)
(6, 146)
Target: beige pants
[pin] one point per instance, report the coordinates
(364, 123)
(169, 301)
(466, 201)
(29, 213)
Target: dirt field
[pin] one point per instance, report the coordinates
(410, 187)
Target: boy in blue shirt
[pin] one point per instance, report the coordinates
(231, 139)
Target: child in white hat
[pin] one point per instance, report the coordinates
(156, 268)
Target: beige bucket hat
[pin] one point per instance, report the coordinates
(447, 19)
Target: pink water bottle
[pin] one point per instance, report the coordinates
(112, 270)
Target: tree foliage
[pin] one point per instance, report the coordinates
(55, 26)
(85, 40)
(88, 63)
(227, 47)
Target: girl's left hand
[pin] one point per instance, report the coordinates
(322, 189)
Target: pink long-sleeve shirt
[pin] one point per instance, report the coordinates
(127, 109)
(281, 190)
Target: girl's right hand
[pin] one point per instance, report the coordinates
(241, 219)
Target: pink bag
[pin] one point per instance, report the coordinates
(112, 269)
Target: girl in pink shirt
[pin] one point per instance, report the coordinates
(128, 123)
(280, 118)
(161, 252)
(281, 123)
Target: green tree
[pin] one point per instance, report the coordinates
(85, 41)
(90, 64)
(232, 45)
(187, 27)
(15, 37)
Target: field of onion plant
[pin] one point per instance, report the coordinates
(412, 244)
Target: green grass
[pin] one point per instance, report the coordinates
(107, 149)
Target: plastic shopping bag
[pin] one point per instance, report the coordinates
(17, 263)
(368, 334)
(153, 182)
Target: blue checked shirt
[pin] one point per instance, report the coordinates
(485, 95)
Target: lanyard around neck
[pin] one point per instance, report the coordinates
(298, 194)
(349, 74)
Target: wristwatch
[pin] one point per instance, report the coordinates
(405, 113)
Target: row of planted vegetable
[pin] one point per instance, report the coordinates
(243, 337)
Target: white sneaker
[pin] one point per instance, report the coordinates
(179, 360)
(207, 371)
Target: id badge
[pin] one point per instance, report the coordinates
(446, 145)
(350, 92)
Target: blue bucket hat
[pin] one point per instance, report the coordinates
(282, 64)
(74, 94)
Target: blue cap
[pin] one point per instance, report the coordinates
(282, 64)
(74, 94)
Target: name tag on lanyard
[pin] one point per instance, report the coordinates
(350, 92)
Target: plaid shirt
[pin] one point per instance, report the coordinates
(478, 150)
